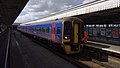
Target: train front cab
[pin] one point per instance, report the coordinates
(73, 30)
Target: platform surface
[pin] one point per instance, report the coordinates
(36, 56)
(103, 46)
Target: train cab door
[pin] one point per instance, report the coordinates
(75, 33)
(53, 31)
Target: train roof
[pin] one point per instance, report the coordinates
(54, 21)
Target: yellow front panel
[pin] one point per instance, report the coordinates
(75, 33)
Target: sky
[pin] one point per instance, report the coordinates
(36, 9)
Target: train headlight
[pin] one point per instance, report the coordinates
(66, 37)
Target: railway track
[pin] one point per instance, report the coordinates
(79, 60)
(104, 58)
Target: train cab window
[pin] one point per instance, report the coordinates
(58, 30)
(67, 29)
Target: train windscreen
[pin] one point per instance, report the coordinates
(67, 27)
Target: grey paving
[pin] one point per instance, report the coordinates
(16, 58)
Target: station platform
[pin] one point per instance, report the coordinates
(36, 56)
(16, 58)
(105, 47)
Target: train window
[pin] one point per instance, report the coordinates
(35, 29)
(47, 29)
(40, 29)
(43, 29)
(58, 30)
(31, 29)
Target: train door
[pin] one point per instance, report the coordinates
(76, 33)
(53, 31)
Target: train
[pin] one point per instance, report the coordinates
(68, 33)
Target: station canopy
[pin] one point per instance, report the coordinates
(10, 9)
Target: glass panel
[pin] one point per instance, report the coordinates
(58, 30)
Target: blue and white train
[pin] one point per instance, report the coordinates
(68, 33)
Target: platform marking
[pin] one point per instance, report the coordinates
(100, 43)
(106, 49)
(19, 48)
(111, 50)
